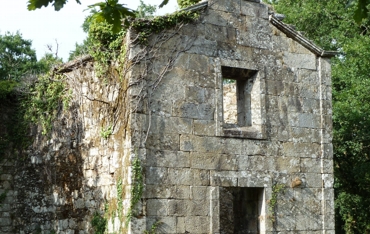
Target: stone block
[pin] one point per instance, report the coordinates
(254, 179)
(307, 61)
(202, 111)
(225, 19)
(309, 91)
(328, 167)
(166, 158)
(199, 94)
(254, 8)
(262, 163)
(200, 177)
(232, 146)
(224, 179)
(167, 224)
(217, 33)
(159, 124)
(328, 180)
(178, 207)
(199, 63)
(308, 77)
(308, 120)
(163, 141)
(311, 150)
(180, 176)
(104, 180)
(204, 127)
(205, 160)
(251, 147)
(285, 223)
(180, 224)
(167, 191)
(201, 144)
(295, 47)
(198, 208)
(287, 164)
(157, 207)
(313, 180)
(307, 222)
(310, 165)
(255, 37)
(225, 5)
(199, 192)
(156, 175)
(197, 224)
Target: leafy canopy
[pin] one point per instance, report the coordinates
(16, 57)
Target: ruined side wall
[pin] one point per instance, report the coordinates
(64, 180)
(189, 155)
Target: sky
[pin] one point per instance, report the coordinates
(59, 29)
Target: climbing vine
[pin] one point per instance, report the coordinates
(146, 27)
(99, 223)
(276, 190)
(137, 187)
(50, 94)
(42, 102)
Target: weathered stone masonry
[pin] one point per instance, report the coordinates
(203, 172)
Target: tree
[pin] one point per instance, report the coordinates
(109, 11)
(16, 57)
(362, 10)
(143, 11)
(331, 25)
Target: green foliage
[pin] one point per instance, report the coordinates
(105, 46)
(120, 197)
(153, 228)
(99, 223)
(362, 10)
(16, 57)
(137, 187)
(187, 3)
(80, 49)
(6, 88)
(145, 28)
(145, 11)
(106, 132)
(58, 4)
(112, 13)
(43, 102)
(276, 190)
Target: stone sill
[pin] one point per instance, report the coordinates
(251, 132)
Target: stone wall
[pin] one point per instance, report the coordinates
(167, 112)
(66, 178)
(190, 154)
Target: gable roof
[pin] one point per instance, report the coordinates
(285, 28)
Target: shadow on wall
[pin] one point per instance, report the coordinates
(51, 194)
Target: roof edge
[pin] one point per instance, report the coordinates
(196, 7)
(295, 35)
(69, 66)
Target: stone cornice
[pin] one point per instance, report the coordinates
(290, 32)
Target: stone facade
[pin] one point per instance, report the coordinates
(205, 170)
(193, 155)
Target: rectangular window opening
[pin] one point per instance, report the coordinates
(242, 210)
(237, 101)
